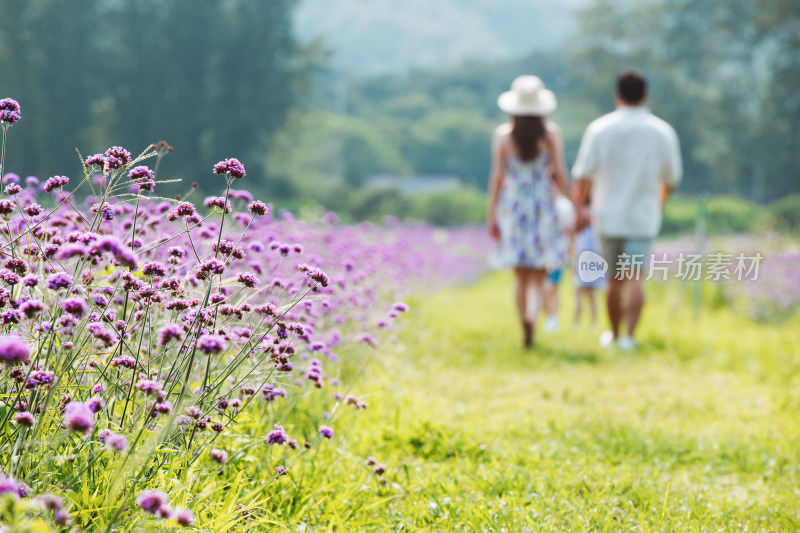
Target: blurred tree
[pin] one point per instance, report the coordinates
(215, 79)
(723, 73)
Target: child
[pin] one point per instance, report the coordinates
(585, 241)
(565, 215)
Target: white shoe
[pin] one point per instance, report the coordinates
(551, 324)
(606, 339)
(626, 343)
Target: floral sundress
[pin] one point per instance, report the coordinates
(530, 235)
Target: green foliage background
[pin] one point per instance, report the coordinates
(220, 79)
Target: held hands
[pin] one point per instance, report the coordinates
(583, 219)
(494, 228)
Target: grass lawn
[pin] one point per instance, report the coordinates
(697, 430)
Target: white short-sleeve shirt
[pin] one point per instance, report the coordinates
(627, 154)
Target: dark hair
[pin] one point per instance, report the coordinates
(631, 87)
(526, 131)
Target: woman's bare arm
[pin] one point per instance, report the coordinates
(559, 164)
(496, 177)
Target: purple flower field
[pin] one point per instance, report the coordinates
(137, 330)
(770, 290)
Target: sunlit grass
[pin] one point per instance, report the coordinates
(696, 430)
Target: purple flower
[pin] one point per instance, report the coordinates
(154, 269)
(177, 251)
(96, 159)
(326, 432)
(17, 265)
(141, 172)
(9, 277)
(56, 182)
(96, 404)
(59, 280)
(70, 250)
(220, 456)
(125, 361)
(318, 276)
(79, 418)
(164, 407)
(152, 501)
(231, 167)
(6, 206)
(74, 306)
(185, 209)
(149, 387)
(169, 333)
(117, 156)
(193, 411)
(11, 316)
(25, 419)
(114, 246)
(102, 333)
(40, 378)
(13, 189)
(116, 443)
(218, 201)
(247, 279)
(277, 436)
(14, 350)
(400, 306)
(32, 209)
(51, 502)
(211, 344)
(271, 393)
(10, 112)
(212, 266)
(143, 185)
(106, 211)
(184, 517)
(9, 484)
(31, 308)
(258, 208)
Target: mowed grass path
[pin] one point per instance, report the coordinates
(697, 430)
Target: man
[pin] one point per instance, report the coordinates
(629, 161)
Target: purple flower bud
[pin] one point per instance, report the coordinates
(149, 387)
(211, 344)
(56, 182)
(220, 456)
(258, 208)
(116, 443)
(277, 436)
(184, 517)
(231, 167)
(14, 350)
(141, 172)
(152, 501)
(117, 157)
(79, 418)
(25, 419)
(10, 112)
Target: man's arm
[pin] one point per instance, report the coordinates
(666, 190)
(583, 171)
(673, 172)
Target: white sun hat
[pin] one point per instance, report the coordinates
(527, 97)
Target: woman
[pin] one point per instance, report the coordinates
(527, 169)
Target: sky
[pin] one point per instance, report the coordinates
(381, 36)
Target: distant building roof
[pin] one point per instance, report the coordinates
(415, 184)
